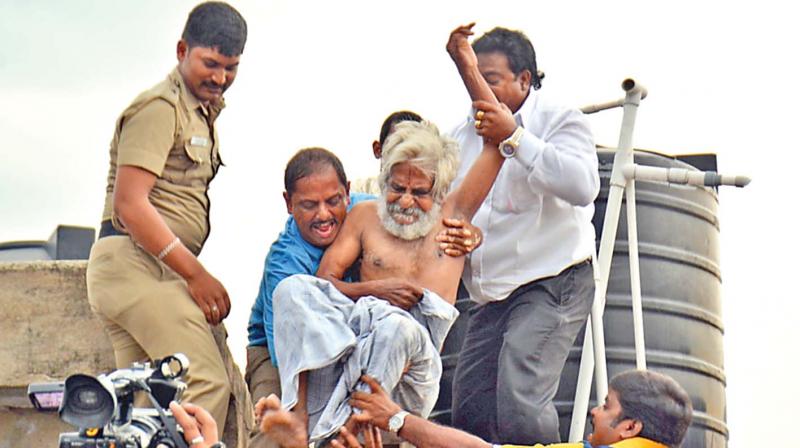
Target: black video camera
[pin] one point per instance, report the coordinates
(102, 407)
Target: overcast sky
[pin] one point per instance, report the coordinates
(722, 78)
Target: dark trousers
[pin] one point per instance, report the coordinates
(514, 350)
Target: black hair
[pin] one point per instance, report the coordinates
(309, 161)
(216, 25)
(655, 400)
(393, 119)
(515, 46)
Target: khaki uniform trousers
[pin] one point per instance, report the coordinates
(262, 379)
(148, 314)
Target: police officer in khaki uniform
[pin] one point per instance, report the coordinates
(144, 280)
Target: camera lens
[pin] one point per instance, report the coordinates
(87, 398)
(88, 404)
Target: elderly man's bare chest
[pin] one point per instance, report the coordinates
(387, 256)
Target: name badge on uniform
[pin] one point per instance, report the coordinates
(198, 141)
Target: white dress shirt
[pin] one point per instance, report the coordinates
(537, 219)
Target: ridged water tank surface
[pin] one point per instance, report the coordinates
(678, 235)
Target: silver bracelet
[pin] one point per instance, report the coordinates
(168, 248)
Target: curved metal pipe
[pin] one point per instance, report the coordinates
(628, 85)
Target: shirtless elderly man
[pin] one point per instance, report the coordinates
(331, 333)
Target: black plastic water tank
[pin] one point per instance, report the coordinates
(680, 279)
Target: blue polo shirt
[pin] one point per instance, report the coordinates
(290, 254)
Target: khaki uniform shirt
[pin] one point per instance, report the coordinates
(169, 133)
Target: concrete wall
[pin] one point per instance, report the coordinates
(48, 332)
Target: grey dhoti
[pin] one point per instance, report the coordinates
(320, 330)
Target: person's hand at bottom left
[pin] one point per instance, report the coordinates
(199, 427)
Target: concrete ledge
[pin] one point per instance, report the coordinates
(28, 427)
(49, 332)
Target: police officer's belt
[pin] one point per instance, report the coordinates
(107, 229)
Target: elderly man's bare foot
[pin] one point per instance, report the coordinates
(288, 429)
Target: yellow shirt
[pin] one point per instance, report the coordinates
(169, 133)
(635, 442)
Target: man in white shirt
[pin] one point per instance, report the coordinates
(532, 278)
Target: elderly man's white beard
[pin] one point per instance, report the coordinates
(418, 229)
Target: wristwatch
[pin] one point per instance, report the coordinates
(396, 422)
(508, 147)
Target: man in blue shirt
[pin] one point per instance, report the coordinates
(317, 198)
(299, 250)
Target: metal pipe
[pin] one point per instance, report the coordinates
(599, 340)
(583, 389)
(630, 86)
(592, 108)
(624, 156)
(636, 287)
(616, 189)
(627, 85)
(683, 176)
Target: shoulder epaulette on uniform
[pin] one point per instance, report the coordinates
(165, 90)
(168, 90)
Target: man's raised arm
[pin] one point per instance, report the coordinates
(467, 64)
(467, 198)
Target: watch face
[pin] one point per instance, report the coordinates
(394, 422)
(507, 149)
